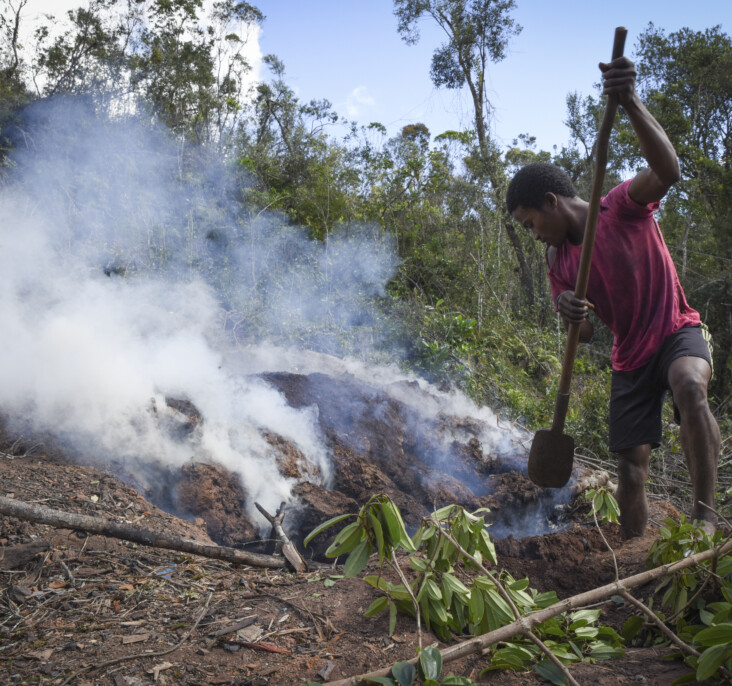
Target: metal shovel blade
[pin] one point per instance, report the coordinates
(550, 458)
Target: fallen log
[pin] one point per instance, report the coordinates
(479, 644)
(284, 544)
(105, 527)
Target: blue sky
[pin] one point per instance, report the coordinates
(350, 53)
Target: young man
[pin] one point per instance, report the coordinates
(660, 343)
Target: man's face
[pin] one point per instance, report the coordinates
(545, 224)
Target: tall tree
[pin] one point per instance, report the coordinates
(13, 92)
(180, 60)
(477, 33)
(685, 77)
(84, 57)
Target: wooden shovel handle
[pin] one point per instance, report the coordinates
(588, 241)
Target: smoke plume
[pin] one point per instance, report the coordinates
(131, 276)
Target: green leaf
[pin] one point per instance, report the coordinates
(404, 673)
(392, 523)
(437, 610)
(475, 606)
(346, 540)
(586, 632)
(547, 599)
(586, 616)
(395, 525)
(322, 527)
(551, 627)
(430, 663)
(357, 560)
(399, 592)
(456, 586)
(632, 627)
(433, 590)
(520, 585)
(446, 593)
(452, 680)
(606, 652)
(378, 582)
(392, 618)
(377, 607)
(378, 534)
(417, 564)
(711, 660)
(443, 513)
(513, 656)
(721, 634)
(500, 605)
(549, 671)
(598, 502)
(487, 547)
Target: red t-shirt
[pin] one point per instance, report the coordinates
(633, 282)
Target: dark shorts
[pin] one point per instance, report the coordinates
(637, 396)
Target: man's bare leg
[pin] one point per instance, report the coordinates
(633, 467)
(700, 436)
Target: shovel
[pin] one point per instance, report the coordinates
(552, 451)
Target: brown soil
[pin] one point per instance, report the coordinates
(95, 610)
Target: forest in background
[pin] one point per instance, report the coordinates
(469, 304)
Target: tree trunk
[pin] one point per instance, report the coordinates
(527, 280)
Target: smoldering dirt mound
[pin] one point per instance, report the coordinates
(422, 447)
(389, 439)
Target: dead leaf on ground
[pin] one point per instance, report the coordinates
(135, 638)
(250, 633)
(41, 654)
(155, 671)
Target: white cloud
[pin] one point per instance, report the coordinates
(357, 99)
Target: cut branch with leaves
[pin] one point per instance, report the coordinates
(455, 592)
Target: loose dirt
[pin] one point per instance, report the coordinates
(93, 610)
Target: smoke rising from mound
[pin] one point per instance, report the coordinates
(128, 274)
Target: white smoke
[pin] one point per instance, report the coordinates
(130, 276)
(116, 294)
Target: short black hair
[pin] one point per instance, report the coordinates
(532, 182)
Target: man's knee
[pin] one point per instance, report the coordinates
(633, 466)
(689, 381)
(690, 395)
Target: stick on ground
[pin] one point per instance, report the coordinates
(105, 527)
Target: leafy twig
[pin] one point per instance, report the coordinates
(525, 629)
(398, 570)
(478, 644)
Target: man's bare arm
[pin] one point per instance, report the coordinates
(651, 184)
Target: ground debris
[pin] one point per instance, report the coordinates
(167, 618)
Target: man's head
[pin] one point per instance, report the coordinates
(532, 182)
(535, 199)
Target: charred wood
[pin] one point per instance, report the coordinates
(284, 544)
